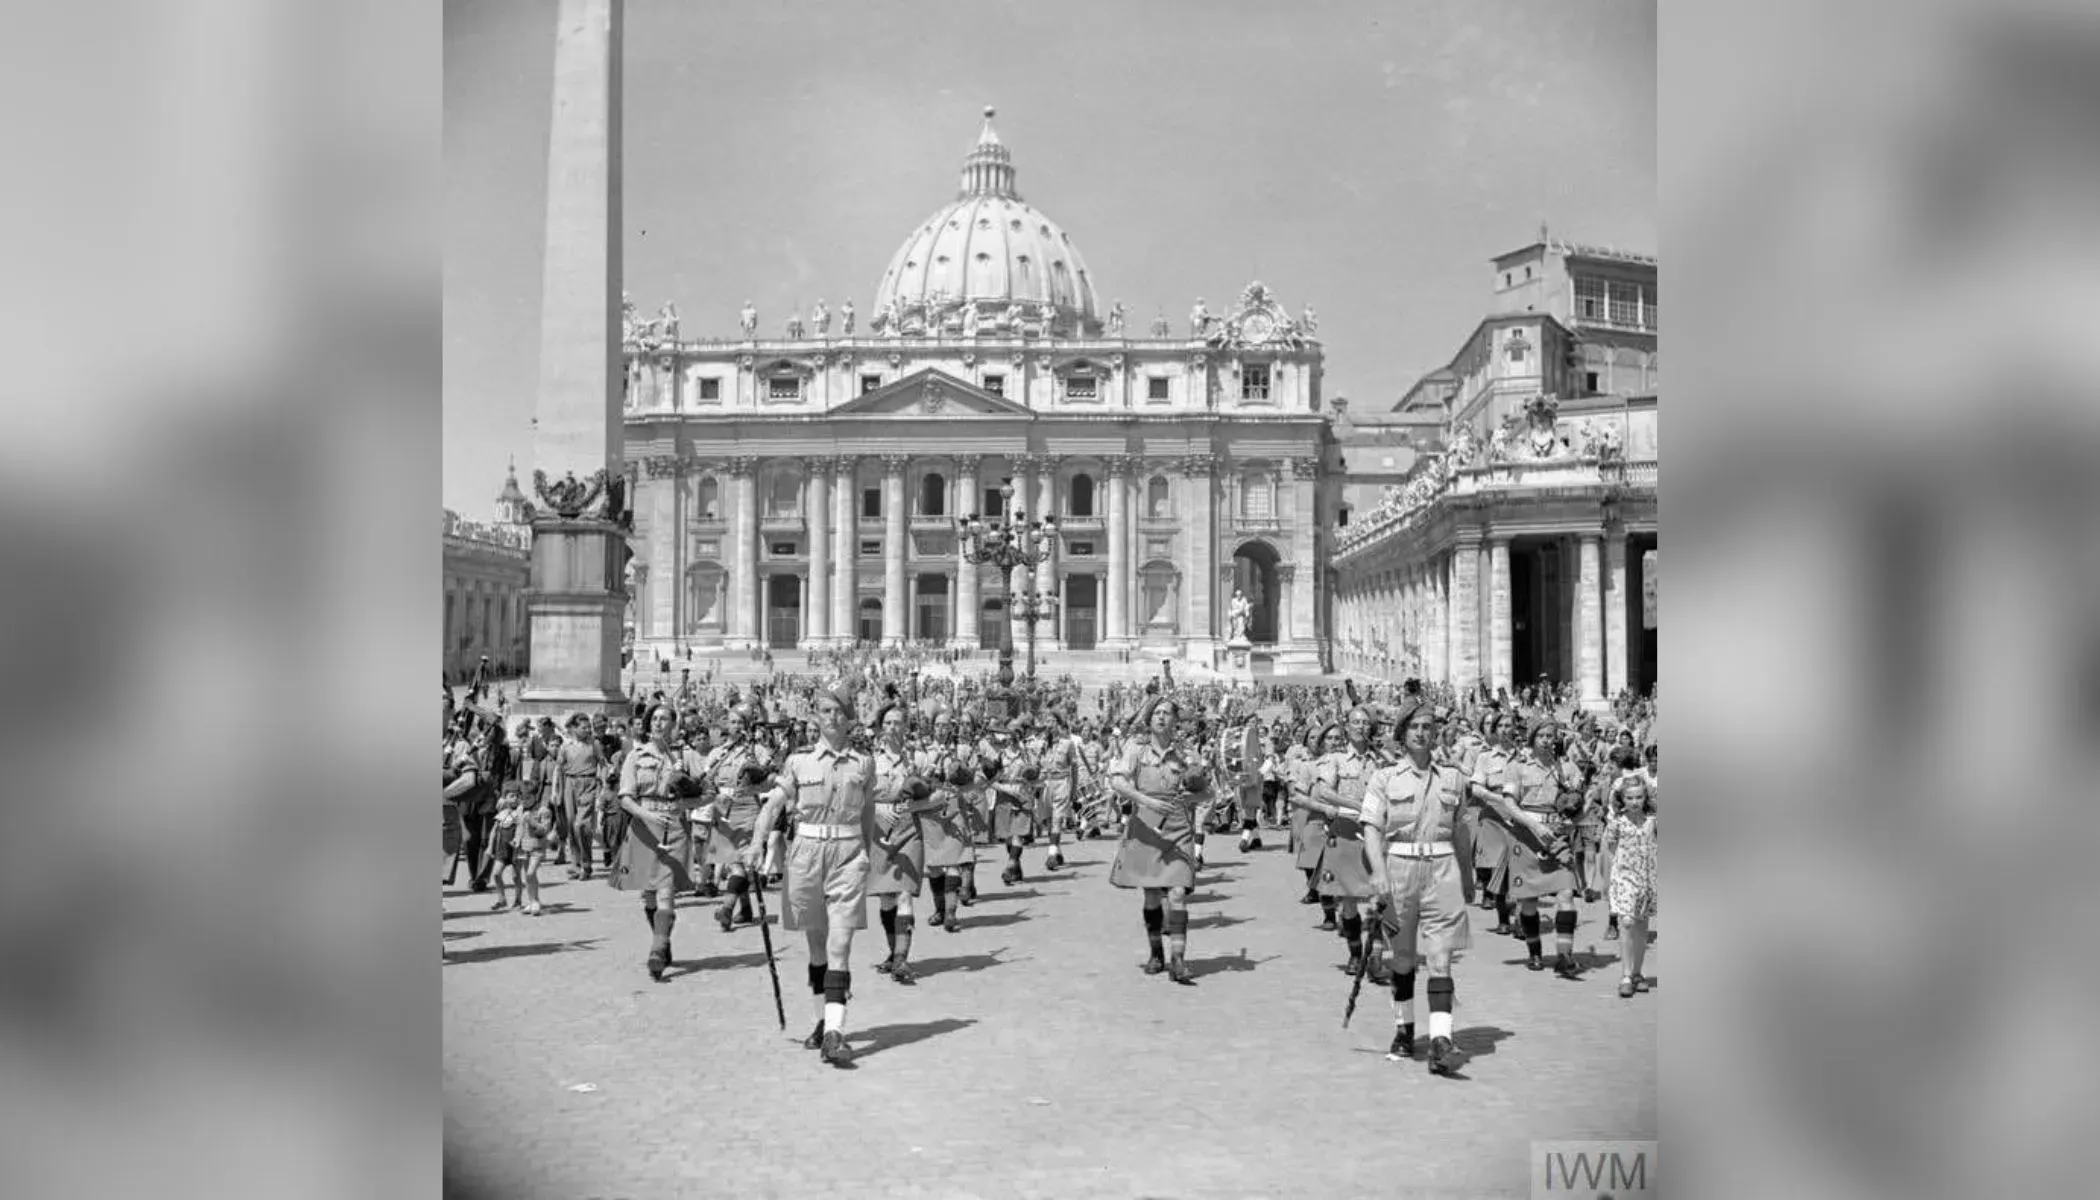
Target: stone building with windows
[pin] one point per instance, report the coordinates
(1520, 541)
(802, 490)
(486, 569)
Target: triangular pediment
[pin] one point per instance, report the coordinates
(931, 393)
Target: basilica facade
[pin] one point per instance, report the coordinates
(804, 491)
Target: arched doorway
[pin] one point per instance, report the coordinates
(870, 629)
(1254, 574)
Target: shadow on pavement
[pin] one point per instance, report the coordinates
(1201, 967)
(963, 962)
(986, 922)
(1216, 921)
(720, 962)
(529, 949)
(889, 1037)
(1478, 1041)
(455, 934)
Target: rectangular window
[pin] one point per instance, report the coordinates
(869, 383)
(991, 504)
(995, 384)
(1648, 306)
(1156, 388)
(783, 549)
(1254, 381)
(1080, 387)
(1589, 382)
(1256, 502)
(871, 548)
(1625, 305)
(1589, 299)
(871, 502)
(789, 388)
(1082, 549)
(710, 389)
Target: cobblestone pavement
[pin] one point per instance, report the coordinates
(1032, 1059)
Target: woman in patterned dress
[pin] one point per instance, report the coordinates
(1157, 854)
(1631, 838)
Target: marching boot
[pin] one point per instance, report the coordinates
(969, 885)
(1403, 1046)
(1565, 966)
(888, 917)
(1327, 922)
(660, 946)
(954, 922)
(900, 959)
(725, 916)
(1440, 1056)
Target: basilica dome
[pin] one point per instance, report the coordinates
(988, 257)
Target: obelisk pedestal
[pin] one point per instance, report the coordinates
(578, 594)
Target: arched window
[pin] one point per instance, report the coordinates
(707, 499)
(1157, 502)
(933, 495)
(1082, 495)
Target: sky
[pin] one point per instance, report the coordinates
(1367, 159)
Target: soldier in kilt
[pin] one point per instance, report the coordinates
(1016, 795)
(897, 860)
(1490, 760)
(659, 783)
(1338, 791)
(1163, 786)
(1543, 786)
(734, 770)
(1308, 818)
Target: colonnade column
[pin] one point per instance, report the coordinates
(818, 513)
(1200, 470)
(893, 614)
(1464, 614)
(967, 603)
(652, 609)
(1440, 616)
(1049, 633)
(1614, 609)
(1589, 621)
(1500, 632)
(1118, 550)
(846, 571)
(743, 563)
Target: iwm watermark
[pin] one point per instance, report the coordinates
(1592, 1170)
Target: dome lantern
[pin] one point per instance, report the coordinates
(989, 170)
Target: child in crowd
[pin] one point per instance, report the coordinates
(1631, 840)
(503, 843)
(537, 836)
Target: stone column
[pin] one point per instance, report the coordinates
(1118, 620)
(816, 594)
(1049, 634)
(1200, 631)
(1440, 617)
(845, 545)
(894, 618)
(967, 602)
(1300, 493)
(1614, 609)
(1500, 633)
(577, 599)
(1464, 614)
(743, 573)
(1589, 620)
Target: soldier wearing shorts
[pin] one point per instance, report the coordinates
(1413, 830)
(1060, 775)
(829, 792)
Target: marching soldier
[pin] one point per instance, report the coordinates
(1163, 786)
(1416, 838)
(579, 773)
(1491, 757)
(731, 770)
(1060, 775)
(1015, 791)
(658, 783)
(1338, 790)
(897, 863)
(1309, 823)
(828, 790)
(1541, 785)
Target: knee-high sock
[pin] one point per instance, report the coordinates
(837, 984)
(1530, 924)
(649, 910)
(903, 947)
(888, 917)
(1404, 998)
(1178, 933)
(1564, 931)
(1154, 921)
(1440, 987)
(816, 987)
(1353, 933)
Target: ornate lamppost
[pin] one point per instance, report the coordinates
(1009, 541)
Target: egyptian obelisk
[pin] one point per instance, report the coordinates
(577, 594)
